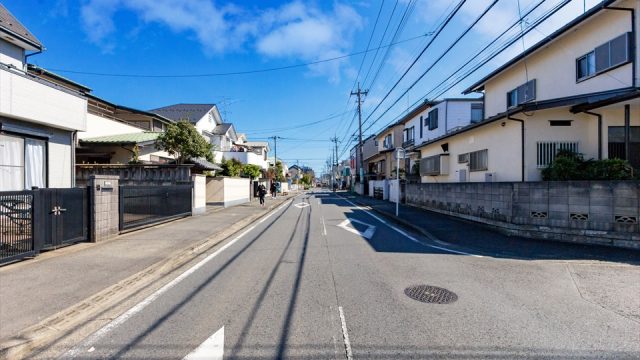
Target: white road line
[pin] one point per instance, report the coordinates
(345, 334)
(324, 227)
(95, 337)
(210, 349)
(403, 233)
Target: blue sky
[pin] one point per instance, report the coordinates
(194, 37)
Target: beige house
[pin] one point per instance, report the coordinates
(382, 165)
(577, 89)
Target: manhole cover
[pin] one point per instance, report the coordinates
(430, 294)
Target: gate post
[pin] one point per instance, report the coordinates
(199, 201)
(104, 214)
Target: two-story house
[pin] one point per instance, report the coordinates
(382, 164)
(433, 119)
(577, 89)
(39, 119)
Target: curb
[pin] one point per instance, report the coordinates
(54, 327)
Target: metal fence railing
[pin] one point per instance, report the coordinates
(144, 205)
(16, 225)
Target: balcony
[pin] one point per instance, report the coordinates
(32, 99)
(245, 157)
(409, 143)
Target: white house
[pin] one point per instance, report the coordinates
(577, 89)
(39, 119)
(433, 119)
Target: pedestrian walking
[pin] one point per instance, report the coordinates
(262, 191)
(273, 189)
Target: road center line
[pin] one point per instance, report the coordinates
(405, 234)
(345, 334)
(95, 337)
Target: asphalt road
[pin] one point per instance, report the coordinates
(322, 278)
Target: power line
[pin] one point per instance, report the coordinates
(435, 36)
(436, 62)
(245, 72)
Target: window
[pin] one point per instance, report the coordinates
(387, 143)
(586, 65)
(157, 126)
(421, 125)
(604, 57)
(476, 113)
(522, 94)
(432, 119)
(547, 150)
(430, 165)
(409, 134)
(616, 144)
(463, 158)
(22, 163)
(479, 160)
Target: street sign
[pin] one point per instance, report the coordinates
(399, 153)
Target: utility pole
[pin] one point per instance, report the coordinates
(359, 93)
(335, 140)
(275, 155)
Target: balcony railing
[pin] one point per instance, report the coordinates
(408, 143)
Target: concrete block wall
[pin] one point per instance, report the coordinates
(104, 210)
(604, 212)
(199, 202)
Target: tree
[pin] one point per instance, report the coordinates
(306, 179)
(231, 167)
(252, 171)
(182, 141)
(279, 176)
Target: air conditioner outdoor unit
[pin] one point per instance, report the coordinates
(490, 177)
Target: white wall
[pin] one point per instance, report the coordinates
(236, 191)
(199, 194)
(11, 54)
(554, 66)
(99, 126)
(24, 98)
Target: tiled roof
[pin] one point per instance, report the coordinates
(132, 138)
(204, 164)
(11, 25)
(190, 112)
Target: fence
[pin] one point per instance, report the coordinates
(605, 212)
(144, 205)
(16, 225)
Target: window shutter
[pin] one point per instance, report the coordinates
(620, 49)
(602, 57)
(421, 126)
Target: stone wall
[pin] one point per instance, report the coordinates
(604, 212)
(136, 174)
(104, 211)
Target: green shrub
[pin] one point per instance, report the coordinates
(572, 166)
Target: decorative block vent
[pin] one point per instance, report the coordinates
(579, 216)
(539, 214)
(624, 219)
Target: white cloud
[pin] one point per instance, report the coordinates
(294, 30)
(302, 32)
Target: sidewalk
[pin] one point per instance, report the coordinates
(482, 240)
(33, 290)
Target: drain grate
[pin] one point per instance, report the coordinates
(431, 294)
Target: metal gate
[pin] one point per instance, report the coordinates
(33, 220)
(144, 205)
(65, 216)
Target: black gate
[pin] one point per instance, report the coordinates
(144, 205)
(41, 219)
(65, 216)
(16, 225)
